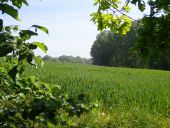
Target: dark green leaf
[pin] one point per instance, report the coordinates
(134, 1)
(17, 3)
(32, 46)
(5, 49)
(8, 29)
(141, 6)
(22, 56)
(15, 28)
(30, 57)
(25, 2)
(26, 34)
(5, 8)
(13, 72)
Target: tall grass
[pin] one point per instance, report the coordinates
(126, 97)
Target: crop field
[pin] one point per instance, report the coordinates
(125, 97)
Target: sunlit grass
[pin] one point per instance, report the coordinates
(126, 97)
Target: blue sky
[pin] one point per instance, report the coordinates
(68, 21)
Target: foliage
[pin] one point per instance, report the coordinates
(111, 49)
(31, 103)
(154, 37)
(104, 18)
(25, 101)
(129, 98)
(68, 59)
(154, 31)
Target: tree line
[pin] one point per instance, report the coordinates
(68, 59)
(110, 49)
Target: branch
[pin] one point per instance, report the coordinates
(125, 14)
(127, 2)
(120, 11)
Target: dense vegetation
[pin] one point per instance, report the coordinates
(110, 49)
(126, 97)
(25, 101)
(68, 59)
(153, 40)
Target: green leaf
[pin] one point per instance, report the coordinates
(5, 49)
(13, 72)
(126, 8)
(44, 29)
(141, 6)
(25, 2)
(32, 46)
(26, 34)
(39, 61)
(41, 46)
(5, 8)
(17, 3)
(21, 95)
(30, 57)
(21, 68)
(22, 56)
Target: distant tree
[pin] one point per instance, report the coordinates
(162, 63)
(67, 59)
(102, 49)
(111, 49)
(48, 58)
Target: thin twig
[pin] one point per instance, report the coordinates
(120, 12)
(125, 14)
(127, 2)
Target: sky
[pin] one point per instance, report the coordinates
(70, 30)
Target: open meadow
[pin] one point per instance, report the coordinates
(125, 97)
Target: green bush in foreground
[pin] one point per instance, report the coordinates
(25, 101)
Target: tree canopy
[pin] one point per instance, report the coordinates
(154, 30)
(111, 49)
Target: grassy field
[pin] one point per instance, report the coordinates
(126, 97)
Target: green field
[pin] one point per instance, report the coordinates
(126, 97)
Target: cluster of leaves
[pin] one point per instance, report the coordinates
(12, 8)
(154, 32)
(25, 101)
(17, 51)
(110, 15)
(32, 103)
